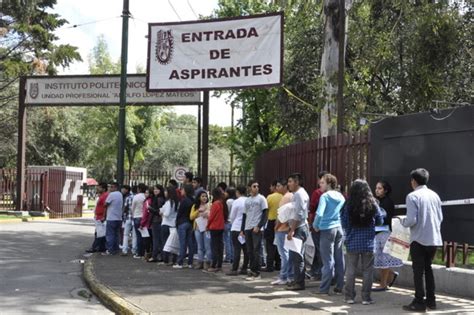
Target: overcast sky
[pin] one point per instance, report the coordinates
(103, 17)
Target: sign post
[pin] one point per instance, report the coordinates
(215, 54)
(90, 90)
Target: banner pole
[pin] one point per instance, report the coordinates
(205, 140)
(21, 153)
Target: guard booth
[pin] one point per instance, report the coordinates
(441, 142)
(56, 190)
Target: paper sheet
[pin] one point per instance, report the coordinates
(241, 239)
(202, 224)
(144, 232)
(294, 245)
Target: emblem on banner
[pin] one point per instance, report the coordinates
(164, 46)
(34, 90)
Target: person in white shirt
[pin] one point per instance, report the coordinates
(235, 218)
(137, 213)
(424, 217)
(169, 212)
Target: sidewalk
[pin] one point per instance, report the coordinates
(142, 287)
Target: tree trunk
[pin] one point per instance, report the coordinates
(329, 64)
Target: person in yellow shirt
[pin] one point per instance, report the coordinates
(273, 200)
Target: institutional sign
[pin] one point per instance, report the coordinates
(215, 54)
(99, 90)
(179, 173)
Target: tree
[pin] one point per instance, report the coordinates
(27, 36)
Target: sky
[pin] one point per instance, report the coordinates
(102, 17)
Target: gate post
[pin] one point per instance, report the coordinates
(20, 157)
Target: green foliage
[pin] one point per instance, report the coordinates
(27, 48)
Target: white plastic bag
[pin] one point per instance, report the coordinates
(99, 228)
(398, 244)
(286, 212)
(172, 243)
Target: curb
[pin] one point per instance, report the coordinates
(105, 294)
(26, 219)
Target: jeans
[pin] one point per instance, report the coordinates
(185, 231)
(157, 244)
(112, 235)
(140, 248)
(229, 251)
(317, 263)
(99, 243)
(203, 240)
(253, 241)
(238, 248)
(422, 257)
(217, 244)
(127, 229)
(330, 247)
(367, 262)
(297, 259)
(273, 258)
(286, 271)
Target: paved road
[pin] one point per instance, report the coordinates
(40, 270)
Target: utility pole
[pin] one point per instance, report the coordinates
(205, 140)
(123, 93)
(231, 150)
(199, 154)
(340, 74)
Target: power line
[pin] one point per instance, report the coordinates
(192, 9)
(90, 22)
(175, 12)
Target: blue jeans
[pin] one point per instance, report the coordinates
(229, 250)
(112, 235)
(317, 263)
(286, 271)
(297, 259)
(185, 242)
(203, 240)
(140, 247)
(330, 246)
(127, 230)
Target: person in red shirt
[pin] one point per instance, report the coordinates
(99, 216)
(216, 224)
(317, 264)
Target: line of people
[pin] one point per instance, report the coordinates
(172, 225)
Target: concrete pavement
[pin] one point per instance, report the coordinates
(41, 269)
(156, 288)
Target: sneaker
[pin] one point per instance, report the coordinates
(123, 254)
(368, 302)
(190, 267)
(267, 269)
(90, 251)
(213, 269)
(169, 264)
(321, 293)
(137, 256)
(337, 291)
(107, 253)
(349, 301)
(232, 273)
(178, 266)
(279, 282)
(243, 272)
(296, 287)
(430, 305)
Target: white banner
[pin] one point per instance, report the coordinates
(215, 54)
(100, 90)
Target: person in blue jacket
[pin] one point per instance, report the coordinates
(328, 222)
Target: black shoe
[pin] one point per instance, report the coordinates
(415, 307)
(90, 251)
(337, 291)
(296, 287)
(430, 305)
(267, 269)
(243, 272)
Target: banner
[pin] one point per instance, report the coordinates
(215, 54)
(99, 90)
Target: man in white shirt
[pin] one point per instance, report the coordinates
(298, 229)
(424, 217)
(236, 216)
(137, 213)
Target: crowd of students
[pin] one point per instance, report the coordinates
(231, 223)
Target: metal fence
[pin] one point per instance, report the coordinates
(345, 155)
(159, 177)
(56, 191)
